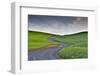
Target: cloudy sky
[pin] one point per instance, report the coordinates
(60, 25)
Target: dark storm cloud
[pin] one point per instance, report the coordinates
(56, 24)
(40, 19)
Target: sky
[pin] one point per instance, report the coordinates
(60, 25)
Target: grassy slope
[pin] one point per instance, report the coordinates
(79, 39)
(77, 46)
(38, 40)
(77, 43)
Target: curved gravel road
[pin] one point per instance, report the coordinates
(49, 53)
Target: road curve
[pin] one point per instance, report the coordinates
(49, 53)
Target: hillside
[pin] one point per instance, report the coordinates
(77, 43)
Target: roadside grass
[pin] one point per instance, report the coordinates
(77, 46)
(38, 40)
(73, 53)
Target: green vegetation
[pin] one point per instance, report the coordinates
(38, 40)
(77, 46)
(73, 52)
(77, 43)
(79, 39)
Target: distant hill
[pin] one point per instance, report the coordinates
(58, 34)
